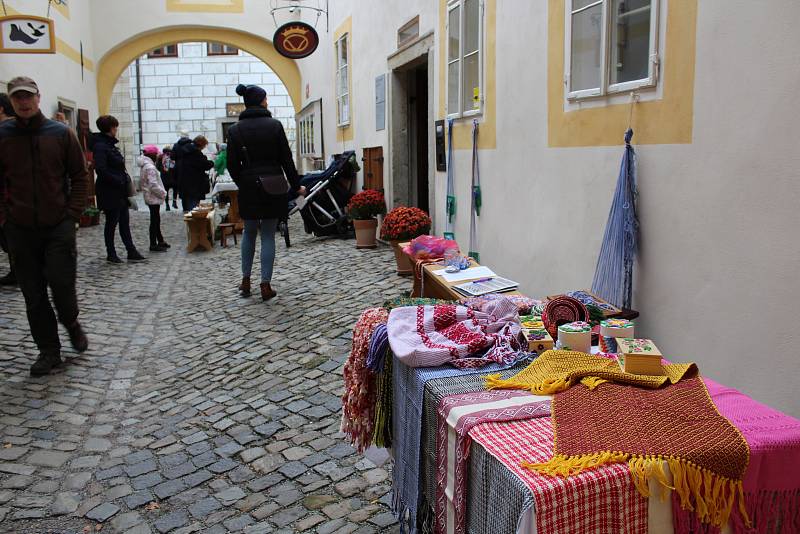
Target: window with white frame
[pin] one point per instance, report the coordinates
(342, 82)
(464, 57)
(612, 46)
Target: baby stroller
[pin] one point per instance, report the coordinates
(328, 192)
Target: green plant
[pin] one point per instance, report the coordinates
(91, 211)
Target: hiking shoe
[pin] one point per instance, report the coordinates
(266, 291)
(78, 337)
(9, 280)
(45, 363)
(114, 259)
(244, 287)
(164, 244)
(156, 248)
(135, 256)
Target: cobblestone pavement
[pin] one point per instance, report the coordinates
(194, 410)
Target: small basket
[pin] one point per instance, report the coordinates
(200, 213)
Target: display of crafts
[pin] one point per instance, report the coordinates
(598, 308)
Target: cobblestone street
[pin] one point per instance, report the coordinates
(194, 410)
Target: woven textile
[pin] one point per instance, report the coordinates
(358, 401)
(557, 370)
(427, 336)
(409, 389)
(600, 501)
(382, 433)
(524, 304)
(772, 479)
(457, 415)
(679, 424)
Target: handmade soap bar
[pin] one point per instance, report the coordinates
(641, 356)
(575, 336)
(611, 329)
(538, 340)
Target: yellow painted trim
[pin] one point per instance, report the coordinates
(665, 121)
(63, 9)
(62, 47)
(213, 6)
(462, 128)
(344, 133)
(115, 61)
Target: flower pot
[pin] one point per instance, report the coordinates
(405, 267)
(84, 221)
(365, 232)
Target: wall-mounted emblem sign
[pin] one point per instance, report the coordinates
(233, 110)
(25, 34)
(295, 40)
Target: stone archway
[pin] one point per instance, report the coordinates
(111, 65)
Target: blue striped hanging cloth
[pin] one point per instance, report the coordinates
(476, 199)
(613, 277)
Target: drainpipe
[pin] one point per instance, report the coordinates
(139, 102)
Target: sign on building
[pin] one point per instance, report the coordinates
(26, 34)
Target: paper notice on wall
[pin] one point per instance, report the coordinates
(476, 98)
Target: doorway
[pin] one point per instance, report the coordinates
(410, 122)
(418, 135)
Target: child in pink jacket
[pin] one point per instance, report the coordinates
(154, 194)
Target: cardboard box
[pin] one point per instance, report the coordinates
(639, 356)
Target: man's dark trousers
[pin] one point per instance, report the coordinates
(45, 257)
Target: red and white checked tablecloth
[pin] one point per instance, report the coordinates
(602, 500)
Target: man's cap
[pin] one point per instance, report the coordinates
(22, 83)
(184, 132)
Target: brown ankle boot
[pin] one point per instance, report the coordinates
(244, 287)
(266, 291)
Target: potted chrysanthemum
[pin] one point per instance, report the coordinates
(363, 209)
(403, 224)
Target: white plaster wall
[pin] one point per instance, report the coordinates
(719, 274)
(56, 74)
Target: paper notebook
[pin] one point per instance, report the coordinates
(495, 285)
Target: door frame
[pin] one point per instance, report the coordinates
(399, 174)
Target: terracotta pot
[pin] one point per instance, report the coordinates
(84, 221)
(365, 232)
(405, 267)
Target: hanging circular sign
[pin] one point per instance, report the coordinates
(295, 40)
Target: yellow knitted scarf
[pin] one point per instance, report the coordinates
(677, 427)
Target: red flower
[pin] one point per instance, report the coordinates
(366, 204)
(405, 223)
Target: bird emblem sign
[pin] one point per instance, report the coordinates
(295, 40)
(25, 34)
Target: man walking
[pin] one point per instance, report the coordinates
(6, 113)
(43, 172)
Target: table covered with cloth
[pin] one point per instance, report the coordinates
(502, 496)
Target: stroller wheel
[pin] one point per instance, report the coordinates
(283, 227)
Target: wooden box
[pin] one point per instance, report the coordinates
(538, 340)
(640, 356)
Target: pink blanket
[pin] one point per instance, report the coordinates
(427, 336)
(772, 479)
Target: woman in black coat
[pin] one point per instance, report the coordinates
(257, 146)
(193, 177)
(111, 188)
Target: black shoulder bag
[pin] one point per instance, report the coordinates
(270, 182)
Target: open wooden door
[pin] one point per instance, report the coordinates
(373, 168)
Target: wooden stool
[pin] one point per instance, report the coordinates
(224, 230)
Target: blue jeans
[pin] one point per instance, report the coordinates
(251, 228)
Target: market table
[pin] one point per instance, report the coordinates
(200, 231)
(232, 191)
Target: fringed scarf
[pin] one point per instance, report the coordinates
(358, 401)
(677, 427)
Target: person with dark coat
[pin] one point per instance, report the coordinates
(166, 166)
(194, 184)
(257, 146)
(178, 150)
(45, 182)
(111, 188)
(6, 113)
